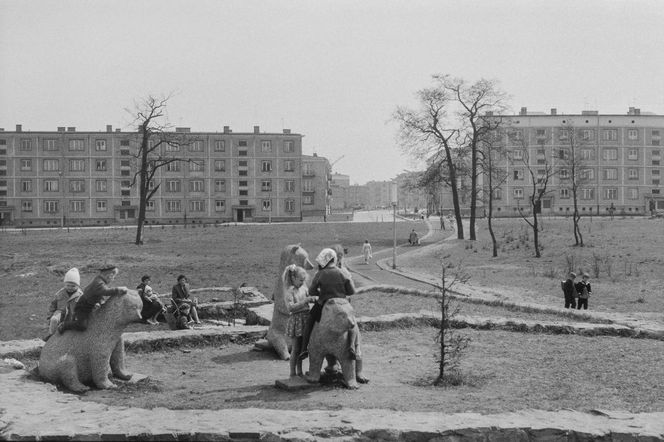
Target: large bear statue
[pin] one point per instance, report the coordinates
(276, 334)
(330, 339)
(78, 359)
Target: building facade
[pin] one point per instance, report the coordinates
(316, 191)
(619, 162)
(339, 192)
(72, 178)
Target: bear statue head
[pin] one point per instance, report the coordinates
(294, 254)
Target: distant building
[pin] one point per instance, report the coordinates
(339, 191)
(68, 177)
(316, 187)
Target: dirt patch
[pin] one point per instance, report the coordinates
(502, 371)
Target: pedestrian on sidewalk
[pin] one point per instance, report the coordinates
(366, 251)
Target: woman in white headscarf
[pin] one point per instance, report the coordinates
(330, 282)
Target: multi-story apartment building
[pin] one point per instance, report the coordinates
(316, 181)
(68, 177)
(619, 157)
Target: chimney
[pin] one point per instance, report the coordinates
(524, 111)
(19, 128)
(184, 130)
(257, 129)
(554, 111)
(61, 128)
(118, 130)
(109, 128)
(489, 113)
(637, 111)
(287, 131)
(227, 129)
(71, 129)
(630, 111)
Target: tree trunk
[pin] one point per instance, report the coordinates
(473, 191)
(489, 220)
(536, 234)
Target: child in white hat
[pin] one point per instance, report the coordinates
(65, 300)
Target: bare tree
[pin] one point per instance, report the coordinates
(157, 148)
(448, 130)
(429, 135)
(575, 169)
(492, 159)
(539, 175)
(477, 103)
(451, 344)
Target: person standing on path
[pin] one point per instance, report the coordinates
(570, 291)
(584, 291)
(366, 251)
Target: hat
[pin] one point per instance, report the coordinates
(572, 275)
(325, 257)
(73, 276)
(106, 266)
(145, 278)
(585, 275)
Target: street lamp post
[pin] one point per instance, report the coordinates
(393, 200)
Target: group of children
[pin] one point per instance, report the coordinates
(71, 306)
(580, 291)
(332, 280)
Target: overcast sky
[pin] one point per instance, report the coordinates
(333, 71)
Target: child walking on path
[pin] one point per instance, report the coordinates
(297, 302)
(366, 251)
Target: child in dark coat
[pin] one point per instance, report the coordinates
(584, 291)
(92, 298)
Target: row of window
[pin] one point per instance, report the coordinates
(173, 186)
(588, 134)
(78, 206)
(588, 154)
(101, 145)
(608, 193)
(586, 174)
(101, 165)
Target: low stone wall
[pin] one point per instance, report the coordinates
(62, 416)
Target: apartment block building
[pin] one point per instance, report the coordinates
(619, 157)
(74, 178)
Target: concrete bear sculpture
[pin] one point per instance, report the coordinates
(330, 339)
(276, 334)
(77, 359)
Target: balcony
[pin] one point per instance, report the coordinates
(308, 173)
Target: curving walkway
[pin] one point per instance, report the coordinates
(382, 272)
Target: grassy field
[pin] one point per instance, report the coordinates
(624, 258)
(32, 265)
